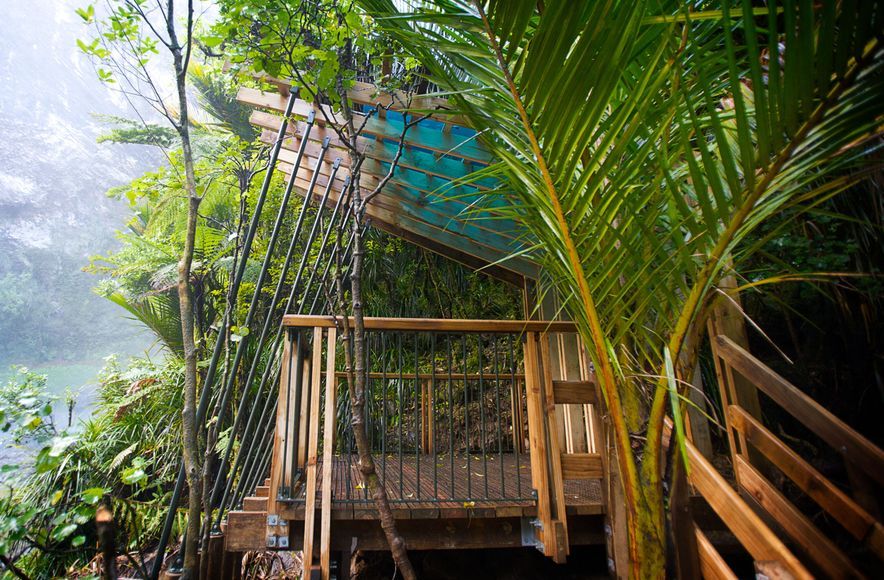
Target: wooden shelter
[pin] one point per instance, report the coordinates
(509, 452)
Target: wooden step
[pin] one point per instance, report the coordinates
(254, 504)
(262, 491)
(246, 531)
(267, 482)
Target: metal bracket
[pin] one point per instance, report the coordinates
(272, 520)
(271, 541)
(282, 542)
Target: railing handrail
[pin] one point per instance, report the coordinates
(827, 426)
(436, 324)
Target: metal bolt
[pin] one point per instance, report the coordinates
(283, 542)
(272, 520)
(271, 541)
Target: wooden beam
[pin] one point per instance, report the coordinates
(435, 210)
(437, 324)
(443, 231)
(853, 446)
(379, 152)
(417, 136)
(853, 518)
(575, 392)
(582, 466)
(712, 565)
(745, 524)
(813, 543)
(486, 258)
(371, 95)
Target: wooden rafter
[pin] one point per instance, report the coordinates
(419, 203)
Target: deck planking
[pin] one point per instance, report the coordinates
(502, 486)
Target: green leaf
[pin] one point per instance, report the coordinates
(93, 495)
(677, 419)
(87, 13)
(62, 532)
(78, 541)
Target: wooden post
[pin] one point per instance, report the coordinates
(537, 443)
(231, 566)
(215, 555)
(687, 556)
(282, 441)
(310, 497)
(328, 457)
(554, 458)
(697, 424)
(727, 319)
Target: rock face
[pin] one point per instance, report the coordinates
(54, 212)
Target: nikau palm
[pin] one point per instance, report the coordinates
(640, 145)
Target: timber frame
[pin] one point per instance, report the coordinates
(563, 488)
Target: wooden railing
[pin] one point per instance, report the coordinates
(479, 392)
(755, 451)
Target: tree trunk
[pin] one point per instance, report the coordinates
(356, 368)
(189, 428)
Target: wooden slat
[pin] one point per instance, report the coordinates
(377, 153)
(853, 446)
(445, 235)
(438, 375)
(576, 392)
(417, 136)
(582, 466)
(437, 324)
(313, 413)
(712, 564)
(859, 523)
(745, 524)
(371, 95)
(403, 206)
(328, 436)
(815, 545)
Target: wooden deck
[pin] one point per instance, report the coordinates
(473, 488)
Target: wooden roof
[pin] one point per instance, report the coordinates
(419, 204)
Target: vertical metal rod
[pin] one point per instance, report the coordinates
(497, 411)
(256, 296)
(433, 410)
(450, 416)
(383, 337)
(210, 373)
(324, 243)
(399, 395)
(466, 413)
(418, 437)
(516, 404)
(482, 410)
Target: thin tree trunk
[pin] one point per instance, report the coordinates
(189, 429)
(356, 368)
